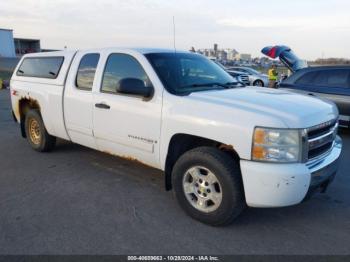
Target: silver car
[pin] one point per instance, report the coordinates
(255, 77)
(239, 75)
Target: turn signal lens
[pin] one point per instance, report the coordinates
(259, 152)
(259, 136)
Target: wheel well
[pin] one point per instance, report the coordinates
(181, 143)
(25, 105)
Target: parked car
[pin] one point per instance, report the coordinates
(286, 56)
(256, 78)
(239, 75)
(328, 82)
(242, 77)
(221, 146)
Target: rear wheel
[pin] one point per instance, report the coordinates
(207, 184)
(37, 136)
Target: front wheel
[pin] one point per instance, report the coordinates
(258, 83)
(37, 136)
(208, 186)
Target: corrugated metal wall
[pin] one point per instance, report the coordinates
(7, 46)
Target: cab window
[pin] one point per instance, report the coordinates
(118, 67)
(86, 71)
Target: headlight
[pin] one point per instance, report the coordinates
(276, 145)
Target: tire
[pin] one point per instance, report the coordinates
(258, 83)
(229, 182)
(37, 136)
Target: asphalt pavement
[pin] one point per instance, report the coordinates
(75, 200)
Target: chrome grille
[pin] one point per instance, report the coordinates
(320, 139)
(244, 79)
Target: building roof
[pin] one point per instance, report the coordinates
(26, 39)
(4, 29)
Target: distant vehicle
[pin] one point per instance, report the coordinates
(239, 75)
(256, 78)
(222, 146)
(286, 56)
(330, 82)
(243, 78)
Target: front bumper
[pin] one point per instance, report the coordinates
(278, 185)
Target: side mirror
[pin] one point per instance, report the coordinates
(134, 86)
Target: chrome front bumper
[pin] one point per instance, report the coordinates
(324, 170)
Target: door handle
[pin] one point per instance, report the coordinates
(102, 106)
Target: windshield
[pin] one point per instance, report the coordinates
(183, 73)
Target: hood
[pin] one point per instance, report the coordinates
(286, 56)
(294, 110)
(235, 72)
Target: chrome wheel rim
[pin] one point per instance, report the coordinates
(202, 189)
(34, 131)
(258, 83)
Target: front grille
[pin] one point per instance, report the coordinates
(319, 150)
(244, 79)
(321, 139)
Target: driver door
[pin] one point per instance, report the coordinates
(127, 125)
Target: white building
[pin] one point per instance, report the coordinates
(244, 57)
(231, 54)
(7, 45)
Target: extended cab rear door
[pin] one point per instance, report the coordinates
(123, 124)
(78, 98)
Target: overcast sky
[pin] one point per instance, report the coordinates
(311, 27)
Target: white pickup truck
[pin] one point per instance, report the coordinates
(222, 146)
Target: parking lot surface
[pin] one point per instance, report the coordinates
(75, 200)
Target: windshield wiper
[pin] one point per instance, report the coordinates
(234, 84)
(188, 89)
(204, 85)
(213, 84)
